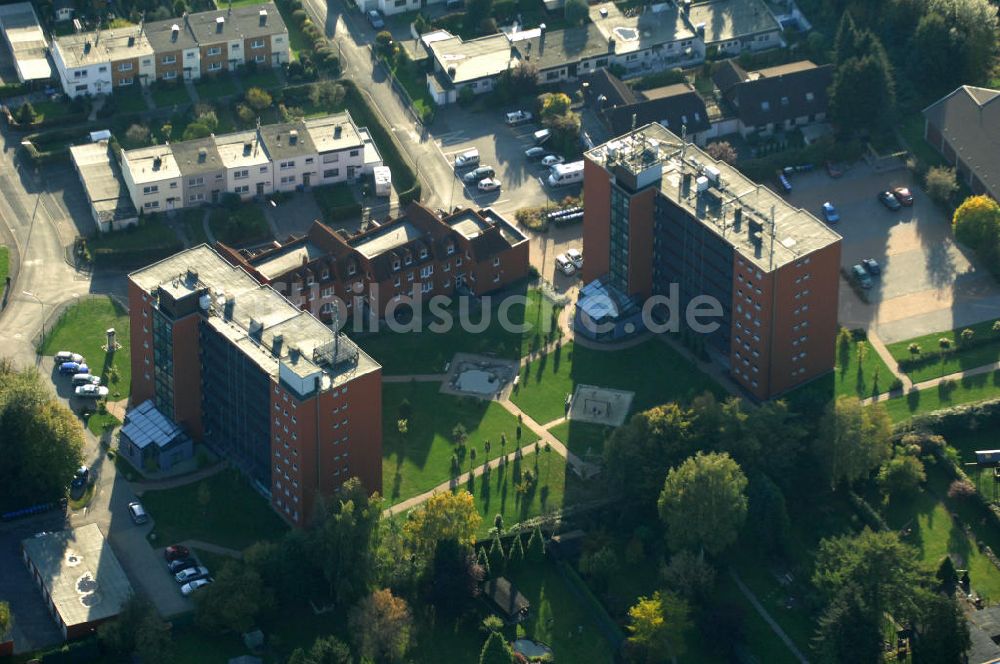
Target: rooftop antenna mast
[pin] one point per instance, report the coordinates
(684, 143)
(771, 257)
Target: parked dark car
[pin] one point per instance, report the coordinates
(175, 552)
(887, 199)
(903, 195)
(872, 266)
(137, 512)
(181, 564)
(73, 368)
(481, 173)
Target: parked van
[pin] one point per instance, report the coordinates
(566, 174)
(467, 159)
(541, 136)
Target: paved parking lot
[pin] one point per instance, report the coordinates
(928, 283)
(456, 130)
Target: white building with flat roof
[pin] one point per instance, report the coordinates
(247, 163)
(92, 63)
(339, 147)
(109, 200)
(26, 41)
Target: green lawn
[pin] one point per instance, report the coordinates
(191, 219)
(50, 110)
(165, 94)
(4, 264)
(96, 422)
(421, 460)
(655, 371)
(875, 377)
(245, 225)
(429, 352)
(211, 87)
(559, 617)
(959, 359)
(758, 637)
(81, 329)
(912, 129)
(413, 78)
(555, 489)
(582, 438)
(134, 246)
(966, 390)
(236, 516)
(129, 99)
(936, 534)
(262, 77)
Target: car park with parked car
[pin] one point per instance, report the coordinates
(375, 19)
(551, 160)
(481, 173)
(535, 153)
(181, 564)
(861, 276)
(565, 265)
(85, 379)
(68, 356)
(489, 184)
(903, 195)
(889, 200)
(189, 588)
(191, 574)
(73, 368)
(830, 213)
(515, 118)
(138, 513)
(467, 159)
(575, 257)
(175, 552)
(91, 391)
(871, 266)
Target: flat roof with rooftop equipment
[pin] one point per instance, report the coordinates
(760, 224)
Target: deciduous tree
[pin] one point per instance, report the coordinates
(723, 151)
(234, 601)
(257, 99)
(768, 515)
(657, 626)
(690, 576)
(901, 476)
(853, 440)
(977, 225)
(382, 626)
(942, 631)
(940, 183)
(444, 515)
(343, 544)
(324, 650)
(455, 576)
(704, 503)
(139, 631)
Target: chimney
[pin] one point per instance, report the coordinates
(263, 17)
(220, 23)
(293, 137)
(175, 31)
(86, 47)
(202, 155)
(737, 219)
(337, 131)
(131, 40)
(157, 162)
(247, 147)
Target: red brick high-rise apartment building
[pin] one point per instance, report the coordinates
(662, 216)
(296, 406)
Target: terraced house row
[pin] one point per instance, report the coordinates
(278, 157)
(184, 48)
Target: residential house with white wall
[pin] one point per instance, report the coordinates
(247, 164)
(339, 147)
(153, 178)
(294, 158)
(92, 63)
(202, 170)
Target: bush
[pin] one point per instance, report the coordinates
(941, 183)
(258, 99)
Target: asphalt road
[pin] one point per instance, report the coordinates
(352, 34)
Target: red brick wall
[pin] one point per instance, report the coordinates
(596, 221)
(141, 341)
(640, 240)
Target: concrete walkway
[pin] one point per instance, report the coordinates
(207, 227)
(192, 91)
(875, 342)
(212, 548)
(775, 627)
(142, 486)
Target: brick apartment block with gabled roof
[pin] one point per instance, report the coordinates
(964, 126)
(186, 47)
(417, 255)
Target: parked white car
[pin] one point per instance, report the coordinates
(517, 117)
(565, 265)
(575, 257)
(68, 356)
(552, 160)
(191, 574)
(489, 184)
(189, 588)
(91, 391)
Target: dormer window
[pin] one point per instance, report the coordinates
(784, 101)
(325, 275)
(351, 269)
(310, 280)
(423, 252)
(395, 264)
(810, 96)
(451, 249)
(765, 106)
(408, 260)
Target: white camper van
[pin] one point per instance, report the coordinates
(565, 174)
